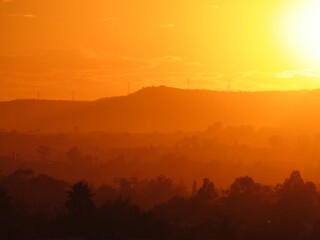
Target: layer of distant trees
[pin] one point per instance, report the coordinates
(41, 207)
(221, 153)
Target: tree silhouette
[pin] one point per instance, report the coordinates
(21, 175)
(296, 194)
(194, 189)
(295, 208)
(119, 219)
(79, 201)
(6, 216)
(43, 152)
(81, 209)
(242, 185)
(74, 155)
(5, 203)
(207, 191)
(248, 203)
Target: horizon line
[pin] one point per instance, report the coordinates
(37, 98)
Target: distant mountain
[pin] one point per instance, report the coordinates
(163, 109)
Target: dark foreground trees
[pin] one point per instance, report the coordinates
(80, 209)
(6, 212)
(246, 210)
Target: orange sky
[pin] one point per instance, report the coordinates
(97, 46)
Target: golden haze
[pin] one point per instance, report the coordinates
(96, 47)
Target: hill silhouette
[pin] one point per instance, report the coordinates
(164, 109)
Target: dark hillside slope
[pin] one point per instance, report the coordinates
(165, 109)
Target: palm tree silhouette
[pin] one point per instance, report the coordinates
(79, 201)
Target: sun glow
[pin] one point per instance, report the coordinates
(302, 27)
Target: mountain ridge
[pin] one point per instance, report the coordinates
(164, 109)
